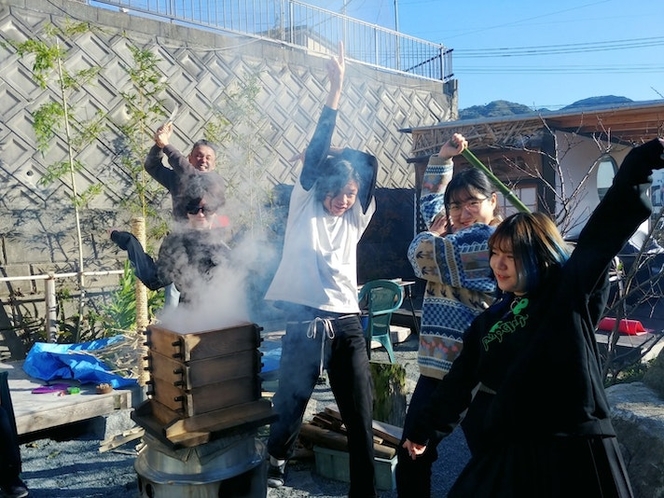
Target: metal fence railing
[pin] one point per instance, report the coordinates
(301, 24)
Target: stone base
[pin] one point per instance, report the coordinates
(637, 413)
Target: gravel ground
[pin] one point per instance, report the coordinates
(67, 462)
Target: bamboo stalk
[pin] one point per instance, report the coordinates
(138, 229)
(504, 189)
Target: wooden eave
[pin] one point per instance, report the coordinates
(629, 123)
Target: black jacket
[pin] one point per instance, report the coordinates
(186, 258)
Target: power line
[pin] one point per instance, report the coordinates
(570, 48)
(459, 69)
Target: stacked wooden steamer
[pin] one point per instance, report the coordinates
(204, 399)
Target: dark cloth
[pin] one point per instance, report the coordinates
(10, 454)
(557, 466)
(348, 368)
(186, 258)
(540, 356)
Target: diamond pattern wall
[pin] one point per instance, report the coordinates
(199, 68)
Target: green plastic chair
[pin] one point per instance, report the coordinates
(380, 299)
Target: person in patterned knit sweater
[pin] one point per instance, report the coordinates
(453, 257)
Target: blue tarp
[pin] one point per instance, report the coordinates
(47, 361)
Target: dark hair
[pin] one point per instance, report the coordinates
(338, 172)
(204, 143)
(197, 187)
(536, 244)
(469, 181)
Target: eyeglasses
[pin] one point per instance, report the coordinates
(473, 205)
(194, 210)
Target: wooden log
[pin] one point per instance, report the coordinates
(328, 422)
(120, 439)
(335, 441)
(391, 434)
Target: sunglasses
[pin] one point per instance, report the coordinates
(194, 210)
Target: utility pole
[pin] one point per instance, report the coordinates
(396, 28)
(396, 15)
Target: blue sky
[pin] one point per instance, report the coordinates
(575, 48)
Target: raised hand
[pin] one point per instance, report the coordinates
(453, 146)
(336, 69)
(163, 135)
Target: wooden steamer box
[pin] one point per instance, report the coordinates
(203, 345)
(194, 374)
(203, 382)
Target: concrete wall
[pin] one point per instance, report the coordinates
(36, 222)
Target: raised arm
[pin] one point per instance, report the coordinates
(434, 182)
(153, 162)
(319, 147)
(624, 207)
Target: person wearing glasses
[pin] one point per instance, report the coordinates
(452, 256)
(529, 376)
(189, 254)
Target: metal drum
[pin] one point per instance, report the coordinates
(230, 468)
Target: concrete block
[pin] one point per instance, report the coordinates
(398, 335)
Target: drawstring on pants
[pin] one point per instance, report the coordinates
(328, 331)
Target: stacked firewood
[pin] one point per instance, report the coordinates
(327, 430)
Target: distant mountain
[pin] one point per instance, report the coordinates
(591, 101)
(494, 109)
(499, 108)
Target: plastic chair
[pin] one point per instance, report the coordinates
(382, 298)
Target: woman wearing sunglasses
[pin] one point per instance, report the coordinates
(189, 255)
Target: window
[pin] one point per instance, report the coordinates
(526, 194)
(606, 170)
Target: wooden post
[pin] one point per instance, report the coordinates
(51, 309)
(138, 230)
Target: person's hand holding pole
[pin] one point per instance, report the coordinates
(163, 135)
(454, 146)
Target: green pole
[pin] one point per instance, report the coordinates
(504, 189)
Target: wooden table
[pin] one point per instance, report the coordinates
(36, 412)
(408, 294)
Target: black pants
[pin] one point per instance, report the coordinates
(413, 477)
(10, 456)
(347, 362)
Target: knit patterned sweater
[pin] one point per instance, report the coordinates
(456, 268)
